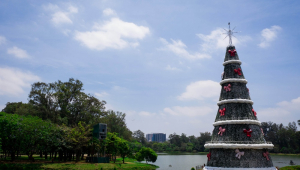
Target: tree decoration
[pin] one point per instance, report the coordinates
(222, 75)
(227, 88)
(262, 131)
(248, 132)
(232, 52)
(265, 154)
(222, 111)
(254, 112)
(239, 154)
(208, 156)
(221, 131)
(238, 71)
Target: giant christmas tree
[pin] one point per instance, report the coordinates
(237, 139)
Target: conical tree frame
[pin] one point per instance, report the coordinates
(237, 138)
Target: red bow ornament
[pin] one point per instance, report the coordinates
(227, 88)
(208, 156)
(254, 112)
(222, 111)
(232, 52)
(265, 154)
(238, 71)
(221, 131)
(248, 132)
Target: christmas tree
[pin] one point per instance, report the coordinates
(237, 139)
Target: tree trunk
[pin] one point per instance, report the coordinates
(82, 156)
(41, 154)
(123, 159)
(13, 156)
(78, 153)
(55, 155)
(46, 156)
(70, 156)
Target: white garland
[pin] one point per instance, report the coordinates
(238, 146)
(232, 61)
(234, 81)
(235, 101)
(221, 168)
(253, 122)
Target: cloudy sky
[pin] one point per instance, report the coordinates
(160, 62)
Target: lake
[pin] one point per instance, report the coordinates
(186, 162)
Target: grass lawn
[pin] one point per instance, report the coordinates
(297, 167)
(23, 163)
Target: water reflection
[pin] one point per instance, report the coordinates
(186, 162)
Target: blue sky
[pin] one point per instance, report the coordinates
(159, 62)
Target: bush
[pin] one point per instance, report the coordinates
(192, 168)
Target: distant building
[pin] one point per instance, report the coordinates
(156, 137)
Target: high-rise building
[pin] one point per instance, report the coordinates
(156, 137)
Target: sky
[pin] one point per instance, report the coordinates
(160, 62)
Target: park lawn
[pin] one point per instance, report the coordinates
(297, 167)
(130, 164)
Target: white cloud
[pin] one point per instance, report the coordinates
(283, 108)
(201, 90)
(179, 49)
(2, 40)
(113, 34)
(172, 68)
(60, 16)
(284, 112)
(147, 114)
(13, 81)
(108, 12)
(189, 111)
(215, 40)
(17, 52)
(102, 94)
(269, 35)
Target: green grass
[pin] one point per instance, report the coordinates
(21, 164)
(285, 154)
(297, 167)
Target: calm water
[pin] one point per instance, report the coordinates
(186, 162)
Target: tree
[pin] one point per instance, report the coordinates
(124, 148)
(111, 142)
(146, 154)
(66, 93)
(80, 137)
(139, 136)
(42, 96)
(116, 123)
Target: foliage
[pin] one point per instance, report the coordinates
(124, 149)
(286, 139)
(79, 137)
(116, 123)
(146, 154)
(297, 167)
(139, 136)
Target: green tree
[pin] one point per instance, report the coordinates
(42, 96)
(146, 154)
(139, 136)
(124, 148)
(116, 123)
(111, 142)
(80, 137)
